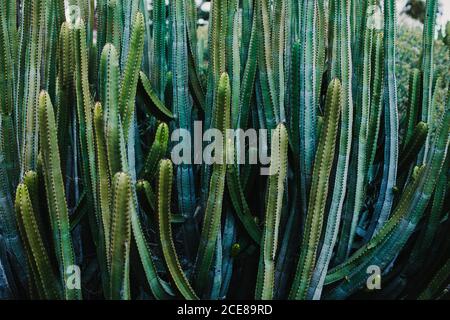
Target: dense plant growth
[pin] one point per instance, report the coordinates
(92, 205)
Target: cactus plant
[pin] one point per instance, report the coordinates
(350, 121)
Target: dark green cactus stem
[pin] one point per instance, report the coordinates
(413, 147)
(103, 184)
(294, 134)
(109, 95)
(319, 192)
(65, 86)
(158, 71)
(248, 79)
(44, 279)
(155, 106)
(362, 123)
(447, 34)
(266, 70)
(146, 258)
(195, 84)
(113, 20)
(182, 107)
(308, 96)
(275, 194)
(391, 123)
(429, 31)
(84, 111)
(413, 104)
(147, 197)
(343, 270)
(410, 212)
(240, 204)
(420, 254)
(377, 100)
(346, 132)
(165, 231)
(119, 252)
(437, 284)
(55, 192)
(31, 181)
(157, 152)
(8, 139)
(358, 171)
(131, 74)
(361, 158)
(213, 211)
(31, 53)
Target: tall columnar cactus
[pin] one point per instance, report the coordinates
(165, 230)
(213, 210)
(109, 94)
(54, 187)
(131, 74)
(182, 107)
(275, 194)
(119, 250)
(391, 123)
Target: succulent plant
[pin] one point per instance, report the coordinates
(356, 118)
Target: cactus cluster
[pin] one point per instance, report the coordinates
(354, 202)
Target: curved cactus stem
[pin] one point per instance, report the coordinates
(157, 152)
(146, 258)
(156, 106)
(45, 280)
(240, 204)
(421, 250)
(165, 231)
